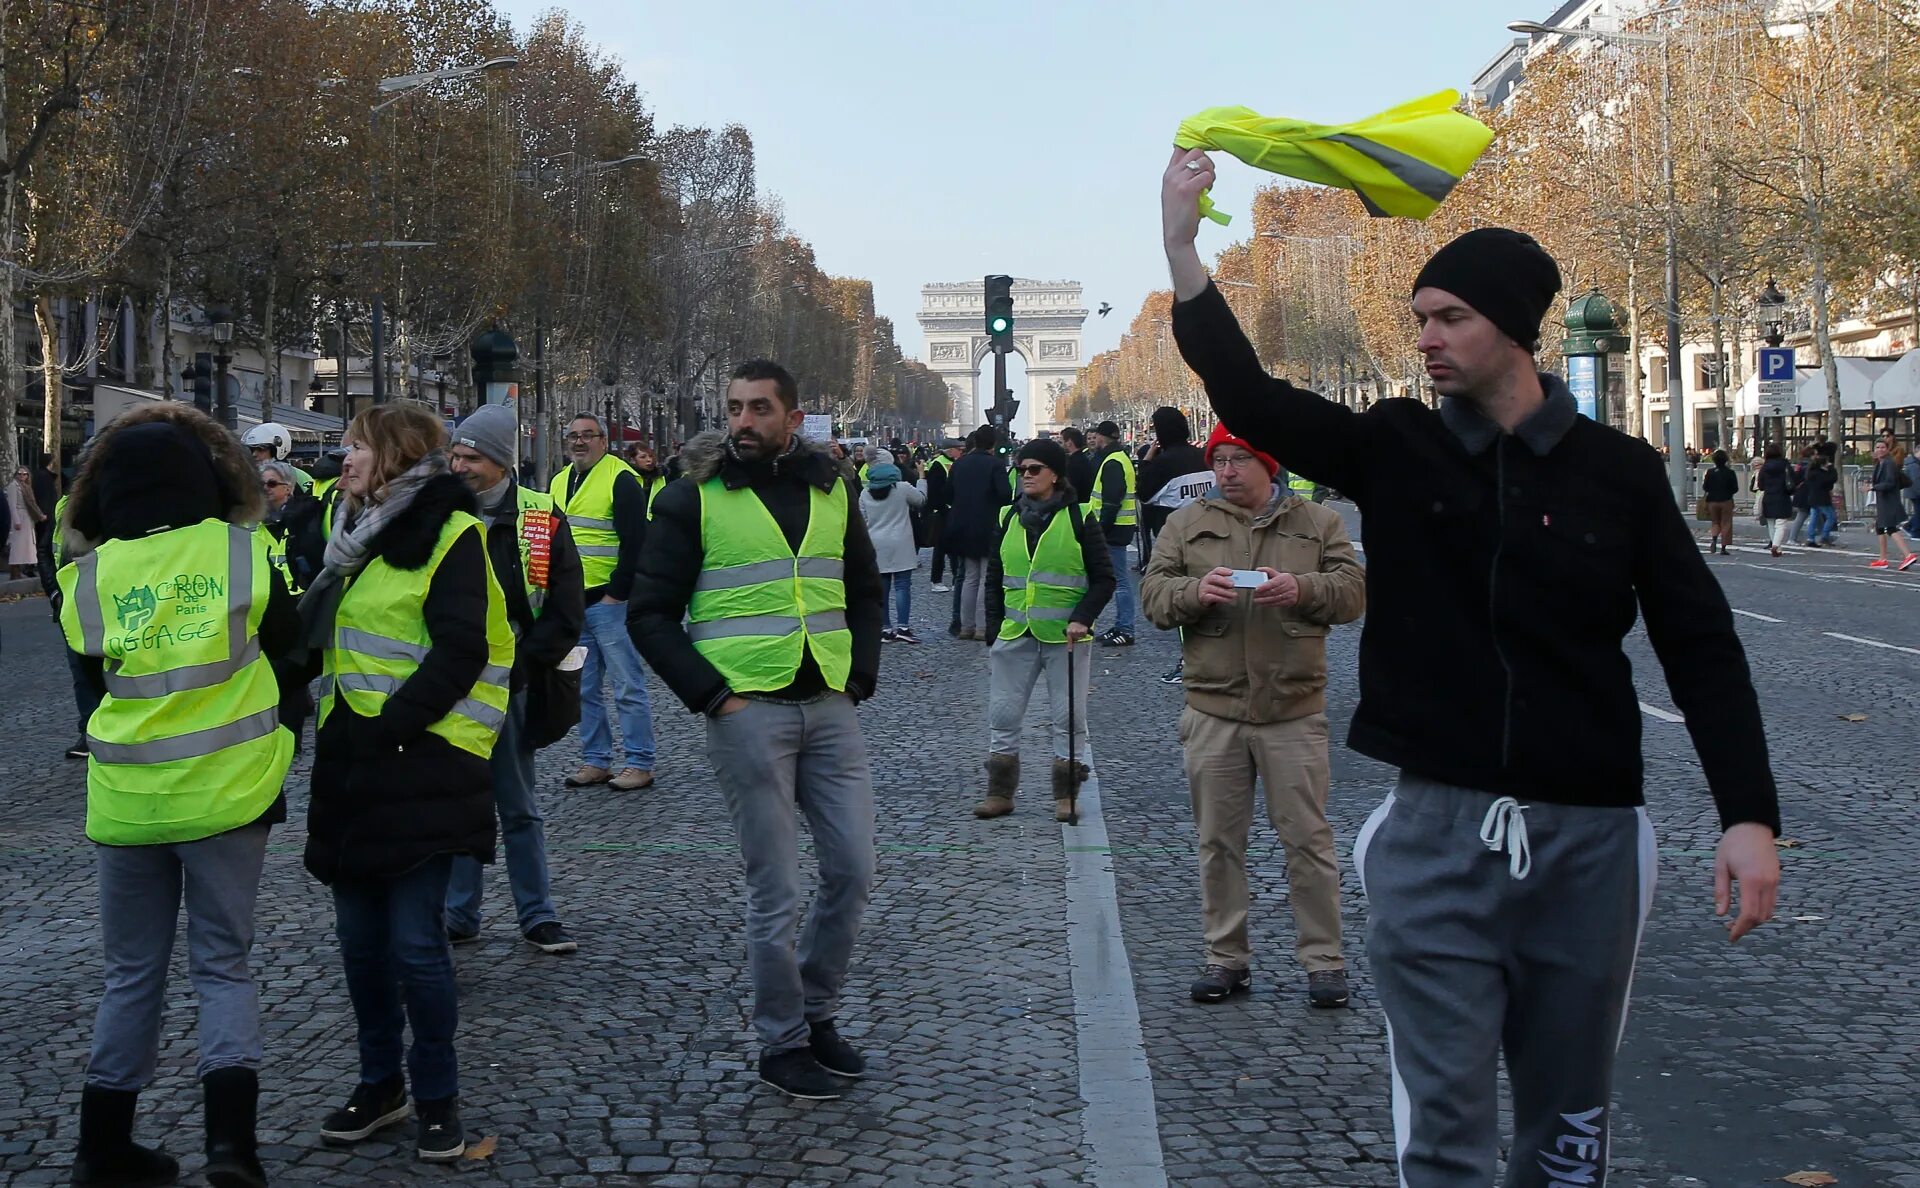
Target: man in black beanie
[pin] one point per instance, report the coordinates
(1510, 543)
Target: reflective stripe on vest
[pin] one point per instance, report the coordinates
(1129, 506)
(1044, 586)
(590, 515)
(759, 606)
(187, 741)
(380, 640)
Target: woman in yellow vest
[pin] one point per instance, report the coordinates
(418, 659)
(168, 598)
(1047, 582)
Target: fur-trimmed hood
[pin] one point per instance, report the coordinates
(234, 476)
(706, 455)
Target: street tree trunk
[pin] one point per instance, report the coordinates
(1636, 425)
(270, 387)
(10, 387)
(52, 375)
(1719, 366)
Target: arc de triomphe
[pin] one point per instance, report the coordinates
(1047, 317)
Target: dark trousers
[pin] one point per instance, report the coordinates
(85, 699)
(400, 971)
(935, 522)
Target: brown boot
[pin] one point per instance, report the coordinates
(1064, 787)
(1003, 779)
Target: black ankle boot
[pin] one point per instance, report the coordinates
(108, 1157)
(233, 1097)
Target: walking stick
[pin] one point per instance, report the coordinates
(1073, 751)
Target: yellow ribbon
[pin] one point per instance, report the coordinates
(1403, 161)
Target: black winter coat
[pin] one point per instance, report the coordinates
(1776, 489)
(387, 795)
(1172, 462)
(1719, 484)
(1821, 480)
(1504, 571)
(671, 563)
(1080, 475)
(978, 483)
(298, 526)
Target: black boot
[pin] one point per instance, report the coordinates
(233, 1098)
(109, 1158)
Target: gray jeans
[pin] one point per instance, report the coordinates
(973, 595)
(1014, 667)
(141, 888)
(771, 759)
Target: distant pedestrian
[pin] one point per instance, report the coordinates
(419, 655)
(1802, 512)
(979, 491)
(886, 505)
(1116, 506)
(294, 526)
(1889, 479)
(25, 517)
(939, 479)
(1821, 479)
(1079, 463)
(1774, 482)
(759, 604)
(186, 630)
(1512, 544)
(1910, 466)
(1717, 489)
(1174, 474)
(1256, 703)
(1049, 576)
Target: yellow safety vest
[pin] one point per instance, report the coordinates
(322, 486)
(759, 605)
(277, 557)
(590, 516)
(1042, 587)
(304, 479)
(1301, 485)
(658, 485)
(939, 462)
(1129, 505)
(187, 742)
(533, 530)
(380, 637)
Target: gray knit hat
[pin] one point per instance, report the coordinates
(493, 430)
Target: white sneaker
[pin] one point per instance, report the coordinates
(942, 588)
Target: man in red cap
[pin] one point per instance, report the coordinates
(1511, 544)
(1254, 576)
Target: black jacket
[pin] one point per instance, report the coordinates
(1719, 484)
(670, 567)
(1080, 475)
(1093, 555)
(1172, 462)
(1109, 497)
(1503, 573)
(1776, 486)
(978, 484)
(297, 525)
(1820, 482)
(387, 795)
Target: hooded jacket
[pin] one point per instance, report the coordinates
(671, 562)
(388, 795)
(125, 489)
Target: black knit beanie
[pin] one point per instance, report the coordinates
(1504, 275)
(1047, 453)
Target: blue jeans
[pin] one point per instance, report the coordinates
(897, 611)
(140, 892)
(393, 942)
(1820, 523)
(959, 565)
(1123, 602)
(522, 834)
(610, 651)
(769, 760)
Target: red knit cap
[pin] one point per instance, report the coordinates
(1222, 436)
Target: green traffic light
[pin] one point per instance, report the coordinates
(1000, 325)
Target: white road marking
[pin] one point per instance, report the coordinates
(1912, 587)
(1655, 711)
(1872, 643)
(1755, 615)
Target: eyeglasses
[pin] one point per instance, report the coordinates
(1032, 469)
(1232, 461)
(582, 436)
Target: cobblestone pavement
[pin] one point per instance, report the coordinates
(630, 1062)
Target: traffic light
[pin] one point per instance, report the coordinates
(1000, 310)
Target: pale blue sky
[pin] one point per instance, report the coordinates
(874, 122)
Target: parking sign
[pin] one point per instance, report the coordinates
(1776, 363)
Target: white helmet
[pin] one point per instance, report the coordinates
(274, 436)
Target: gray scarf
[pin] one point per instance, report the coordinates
(351, 546)
(1036, 516)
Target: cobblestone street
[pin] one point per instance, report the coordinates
(990, 1012)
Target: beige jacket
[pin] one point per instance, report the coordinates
(1248, 663)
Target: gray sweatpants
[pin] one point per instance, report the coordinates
(141, 888)
(1501, 924)
(770, 759)
(1014, 666)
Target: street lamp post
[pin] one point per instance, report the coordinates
(222, 319)
(1676, 397)
(1771, 307)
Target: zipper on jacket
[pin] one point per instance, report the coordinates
(1493, 601)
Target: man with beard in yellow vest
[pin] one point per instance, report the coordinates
(763, 553)
(606, 508)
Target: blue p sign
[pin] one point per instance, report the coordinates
(1776, 363)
